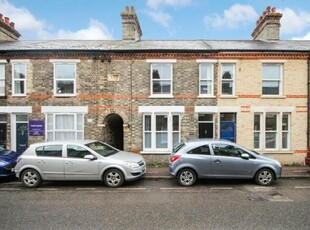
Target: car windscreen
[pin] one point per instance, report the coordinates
(102, 149)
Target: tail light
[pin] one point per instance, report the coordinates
(175, 158)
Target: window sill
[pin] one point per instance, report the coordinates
(206, 96)
(19, 95)
(228, 97)
(161, 96)
(65, 95)
(273, 97)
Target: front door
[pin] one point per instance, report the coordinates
(21, 137)
(228, 127)
(3, 135)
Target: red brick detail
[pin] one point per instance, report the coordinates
(39, 96)
(297, 96)
(300, 151)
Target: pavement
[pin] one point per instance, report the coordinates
(287, 172)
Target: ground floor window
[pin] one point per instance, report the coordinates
(272, 131)
(64, 126)
(161, 131)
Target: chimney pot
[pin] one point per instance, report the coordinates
(1, 17)
(274, 10)
(12, 24)
(268, 9)
(7, 20)
(127, 8)
(132, 9)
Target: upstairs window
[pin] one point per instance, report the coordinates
(161, 78)
(2, 80)
(64, 79)
(19, 79)
(228, 79)
(272, 79)
(206, 79)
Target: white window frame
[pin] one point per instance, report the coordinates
(279, 132)
(280, 81)
(2, 79)
(208, 122)
(153, 132)
(161, 62)
(55, 80)
(211, 94)
(53, 131)
(15, 63)
(233, 80)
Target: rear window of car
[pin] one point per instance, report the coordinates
(178, 147)
(49, 151)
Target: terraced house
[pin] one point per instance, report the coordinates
(147, 95)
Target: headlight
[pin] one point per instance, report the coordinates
(2, 163)
(131, 164)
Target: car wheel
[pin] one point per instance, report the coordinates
(186, 177)
(264, 177)
(31, 178)
(113, 178)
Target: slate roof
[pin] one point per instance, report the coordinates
(157, 45)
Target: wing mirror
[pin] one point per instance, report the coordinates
(245, 156)
(90, 157)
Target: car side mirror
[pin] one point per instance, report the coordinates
(90, 157)
(245, 156)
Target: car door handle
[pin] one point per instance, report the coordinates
(217, 161)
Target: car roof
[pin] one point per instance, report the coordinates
(206, 140)
(82, 142)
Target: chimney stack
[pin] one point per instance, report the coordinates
(268, 26)
(7, 30)
(130, 25)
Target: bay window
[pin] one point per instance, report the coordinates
(272, 131)
(64, 126)
(161, 131)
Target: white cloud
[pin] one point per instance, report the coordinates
(160, 17)
(306, 37)
(293, 22)
(27, 24)
(235, 17)
(95, 31)
(23, 19)
(155, 4)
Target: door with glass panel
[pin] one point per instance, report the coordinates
(205, 126)
(21, 133)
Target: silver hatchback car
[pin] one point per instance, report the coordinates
(78, 160)
(208, 158)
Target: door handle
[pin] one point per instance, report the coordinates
(217, 161)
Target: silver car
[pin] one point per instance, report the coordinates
(206, 158)
(78, 160)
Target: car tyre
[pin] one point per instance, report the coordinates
(113, 178)
(264, 177)
(186, 177)
(31, 178)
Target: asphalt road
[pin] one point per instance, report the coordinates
(156, 204)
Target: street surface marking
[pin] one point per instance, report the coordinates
(10, 189)
(222, 188)
(173, 188)
(47, 189)
(131, 189)
(85, 189)
(301, 187)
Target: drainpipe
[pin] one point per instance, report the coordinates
(131, 98)
(308, 103)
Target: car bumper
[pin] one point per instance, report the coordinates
(136, 174)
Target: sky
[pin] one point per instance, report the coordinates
(159, 19)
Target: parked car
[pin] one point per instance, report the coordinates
(208, 158)
(7, 162)
(307, 158)
(78, 160)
